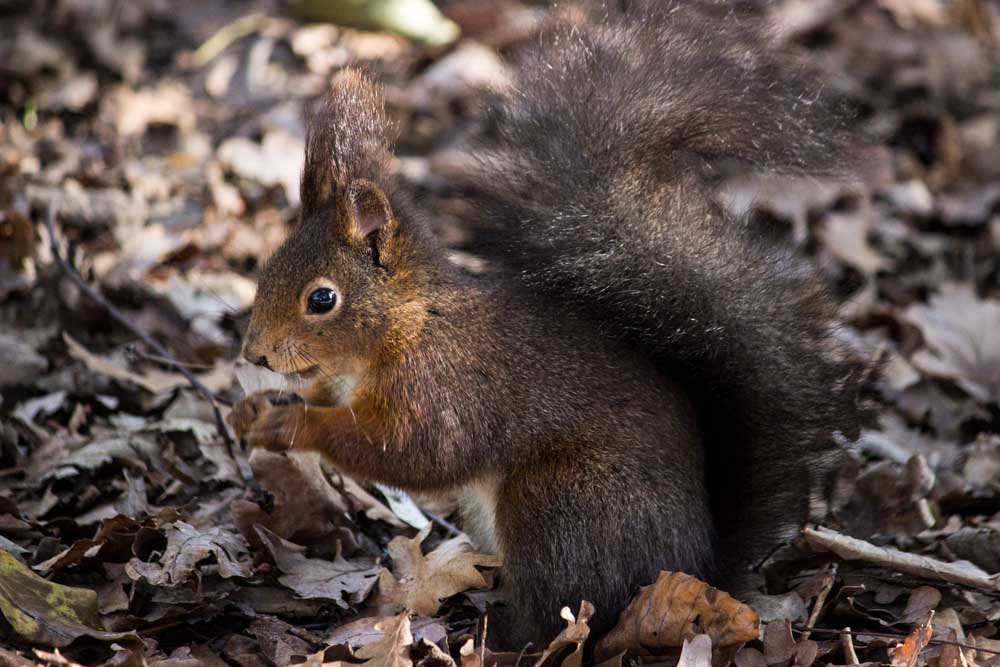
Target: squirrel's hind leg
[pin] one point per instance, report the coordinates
(572, 529)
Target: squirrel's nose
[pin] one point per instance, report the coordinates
(252, 353)
(256, 358)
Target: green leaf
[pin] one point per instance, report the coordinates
(415, 19)
(46, 613)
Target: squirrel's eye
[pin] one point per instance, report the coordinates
(321, 301)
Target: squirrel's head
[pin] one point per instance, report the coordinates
(342, 285)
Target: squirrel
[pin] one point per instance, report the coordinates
(645, 383)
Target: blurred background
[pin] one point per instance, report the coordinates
(169, 137)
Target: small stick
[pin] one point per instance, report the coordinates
(850, 655)
(70, 271)
(165, 361)
(828, 582)
(892, 635)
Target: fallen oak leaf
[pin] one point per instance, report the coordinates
(46, 613)
(419, 582)
(318, 578)
(393, 650)
(678, 607)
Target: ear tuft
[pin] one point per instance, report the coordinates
(347, 138)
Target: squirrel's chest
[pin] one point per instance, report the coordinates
(477, 503)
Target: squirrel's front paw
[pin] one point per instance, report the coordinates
(266, 420)
(247, 410)
(277, 429)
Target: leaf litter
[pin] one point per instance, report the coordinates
(133, 533)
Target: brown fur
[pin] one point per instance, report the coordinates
(597, 456)
(645, 370)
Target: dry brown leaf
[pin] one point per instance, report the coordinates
(922, 601)
(419, 582)
(393, 650)
(305, 506)
(780, 648)
(952, 655)
(469, 656)
(188, 546)
(319, 578)
(154, 381)
(675, 608)
(574, 635)
(696, 652)
(959, 330)
(845, 236)
(907, 653)
(749, 657)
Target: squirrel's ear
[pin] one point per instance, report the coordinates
(369, 217)
(348, 137)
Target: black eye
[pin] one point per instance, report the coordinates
(321, 301)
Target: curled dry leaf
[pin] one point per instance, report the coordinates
(574, 635)
(907, 653)
(419, 582)
(393, 650)
(46, 613)
(678, 607)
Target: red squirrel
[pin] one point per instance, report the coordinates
(644, 384)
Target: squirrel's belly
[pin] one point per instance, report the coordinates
(477, 503)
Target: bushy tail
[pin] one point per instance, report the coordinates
(597, 193)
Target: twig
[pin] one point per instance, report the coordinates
(850, 655)
(890, 635)
(851, 548)
(828, 582)
(70, 271)
(165, 361)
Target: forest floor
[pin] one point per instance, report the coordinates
(168, 146)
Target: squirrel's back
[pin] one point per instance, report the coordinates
(596, 191)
